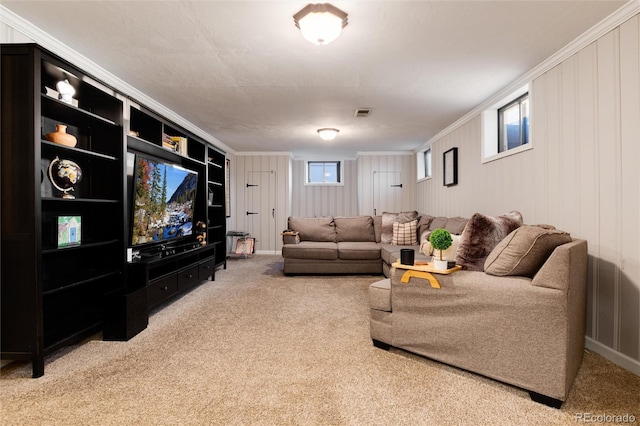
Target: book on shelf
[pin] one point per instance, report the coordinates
(181, 143)
(69, 230)
(168, 143)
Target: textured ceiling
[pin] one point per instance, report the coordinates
(241, 71)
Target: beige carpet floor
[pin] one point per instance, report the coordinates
(257, 348)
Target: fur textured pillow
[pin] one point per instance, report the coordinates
(524, 251)
(404, 234)
(481, 235)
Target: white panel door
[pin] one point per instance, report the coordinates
(387, 192)
(261, 208)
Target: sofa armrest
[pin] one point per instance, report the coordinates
(290, 237)
(565, 269)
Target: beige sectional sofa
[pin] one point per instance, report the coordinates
(356, 245)
(515, 313)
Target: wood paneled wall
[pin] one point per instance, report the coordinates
(402, 162)
(582, 175)
(281, 165)
(310, 201)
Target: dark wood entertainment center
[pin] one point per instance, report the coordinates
(59, 287)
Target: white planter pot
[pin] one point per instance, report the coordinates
(440, 265)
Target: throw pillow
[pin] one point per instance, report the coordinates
(388, 219)
(480, 237)
(404, 234)
(524, 251)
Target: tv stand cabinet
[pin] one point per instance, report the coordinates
(168, 276)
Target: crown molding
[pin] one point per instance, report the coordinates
(387, 153)
(54, 45)
(617, 18)
(263, 153)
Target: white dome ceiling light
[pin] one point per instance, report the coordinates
(320, 23)
(328, 134)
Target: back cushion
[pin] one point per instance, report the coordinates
(377, 227)
(423, 224)
(480, 237)
(438, 223)
(355, 229)
(524, 251)
(314, 228)
(456, 225)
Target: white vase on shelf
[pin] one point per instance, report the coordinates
(440, 265)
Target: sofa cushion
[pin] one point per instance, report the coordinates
(405, 234)
(358, 251)
(480, 236)
(380, 295)
(455, 225)
(387, 223)
(391, 253)
(314, 228)
(438, 222)
(311, 250)
(524, 251)
(423, 225)
(358, 228)
(377, 227)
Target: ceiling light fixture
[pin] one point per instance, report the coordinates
(320, 23)
(328, 134)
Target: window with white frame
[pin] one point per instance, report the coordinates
(506, 126)
(513, 124)
(424, 166)
(323, 173)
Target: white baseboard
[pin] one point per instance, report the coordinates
(268, 252)
(616, 357)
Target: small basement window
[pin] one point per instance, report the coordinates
(506, 126)
(513, 124)
(324, 173)
(424, 164)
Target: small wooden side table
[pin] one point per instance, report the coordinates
(425, 271)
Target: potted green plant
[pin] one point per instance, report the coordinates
(440, 240)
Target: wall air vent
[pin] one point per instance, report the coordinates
(362, 112)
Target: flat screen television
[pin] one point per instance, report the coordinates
(163, 200)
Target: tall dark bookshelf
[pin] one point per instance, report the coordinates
(55, 295)
(52, 293)
(216, 199)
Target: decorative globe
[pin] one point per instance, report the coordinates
(64, 175)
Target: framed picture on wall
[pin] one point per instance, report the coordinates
(450, 167)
